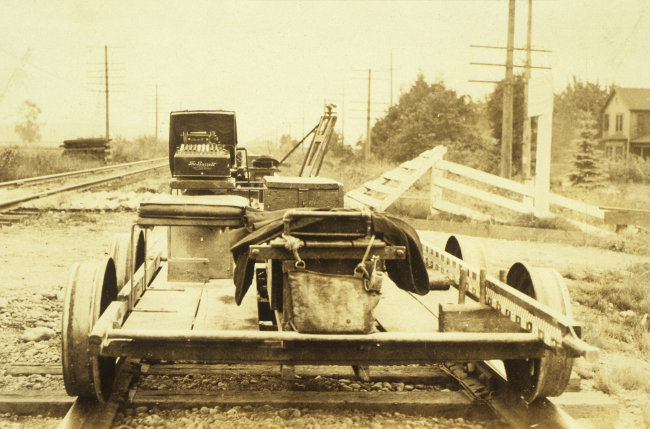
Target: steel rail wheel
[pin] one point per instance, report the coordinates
(91, 288)
(547, 376)
(123, 256)
(467, 250)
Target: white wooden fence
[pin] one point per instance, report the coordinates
(524, 202)
(380, 193)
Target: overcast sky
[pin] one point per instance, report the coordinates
(274, 62)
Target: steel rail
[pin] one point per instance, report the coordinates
(36, 180)
(540, 414)
(88, 413)
(5, 205)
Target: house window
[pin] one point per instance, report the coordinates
(606, 123)
(619, 122)
(643, 123)
(619, 151)
(608, 151)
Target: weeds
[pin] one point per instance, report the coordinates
(631, 294)
(611, 380)
(143, 147)
(531, 221)
(410, 207)
(606, 383)
(21, 162)
(623, 302)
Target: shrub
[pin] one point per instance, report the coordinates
(633, 169)
(143, 147)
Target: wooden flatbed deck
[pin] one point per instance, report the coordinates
(211, 306)
(206, 306)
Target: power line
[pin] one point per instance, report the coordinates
(106, 86)
(15, 74)
(40, 69)
(516, 49)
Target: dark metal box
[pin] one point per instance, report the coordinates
(294, 192)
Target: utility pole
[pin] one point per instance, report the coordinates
(103, 75)
(106, 82)
(526, 140)
(391, 78)
(156, 113)
(368, 144)
(343, 114)
(508, 97)
(368, 139)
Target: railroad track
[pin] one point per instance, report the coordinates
(73, 181)
(32, 181)
(481, 395)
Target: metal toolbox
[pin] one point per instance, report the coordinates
(295, 192)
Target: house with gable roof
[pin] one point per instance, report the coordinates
(626, 123)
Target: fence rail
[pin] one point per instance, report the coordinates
(380, 193)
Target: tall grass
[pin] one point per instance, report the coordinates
(141, 148)
(21, 162)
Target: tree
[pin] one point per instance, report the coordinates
(337, 148)
(495, 118)
(570, 105)
(580, 97)
(29, 129)
(588, 171)
(426, 116)
(287, 141)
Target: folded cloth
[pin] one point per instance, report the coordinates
(409, 274)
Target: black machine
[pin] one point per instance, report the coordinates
(204, 157)
(203, 147)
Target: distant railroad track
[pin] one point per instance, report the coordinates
(13, 203)
(476, 403)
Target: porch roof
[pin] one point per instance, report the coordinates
(641, 140)
(617, 136)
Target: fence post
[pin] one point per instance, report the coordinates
(435, 193)
(529, 201)
(543, 165)
(540, 104)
